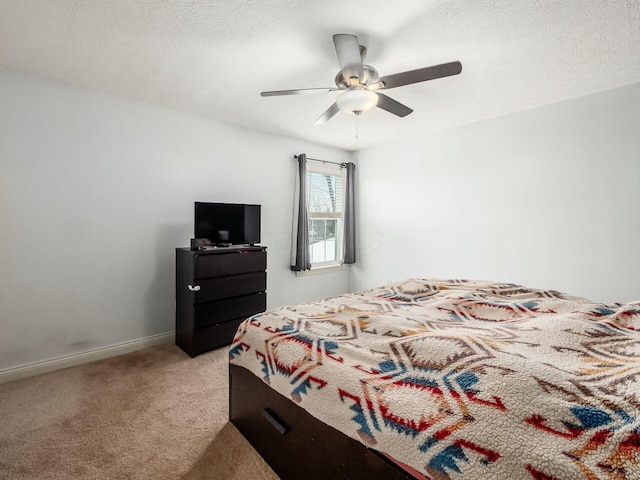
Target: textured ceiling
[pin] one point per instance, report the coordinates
(213, 57)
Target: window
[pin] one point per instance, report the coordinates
(325, 192)
(323, 231)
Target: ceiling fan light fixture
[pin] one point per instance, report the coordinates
(357, 100)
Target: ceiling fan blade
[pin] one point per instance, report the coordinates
(349, 56)
(327, 115)
(393, 106)
(421, 75)
(301, 91)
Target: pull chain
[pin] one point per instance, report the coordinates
(357, 115)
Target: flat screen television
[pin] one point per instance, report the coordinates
(227, 224)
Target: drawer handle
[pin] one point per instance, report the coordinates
(194, 288)
(275, 421)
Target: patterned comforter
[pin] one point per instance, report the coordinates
(463, 379)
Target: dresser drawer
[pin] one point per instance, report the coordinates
(209, 313)
(215, 336)
(232, 263)
(233, 286)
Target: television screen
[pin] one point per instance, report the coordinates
(227, 223)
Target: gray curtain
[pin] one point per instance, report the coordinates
(349, 216)
(302, 256)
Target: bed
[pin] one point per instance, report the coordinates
(442, 379)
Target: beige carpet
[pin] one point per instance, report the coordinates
(151, 414)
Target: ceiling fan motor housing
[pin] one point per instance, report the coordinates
(370, 75)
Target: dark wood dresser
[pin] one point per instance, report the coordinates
(216, 289)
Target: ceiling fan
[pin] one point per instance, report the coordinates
(359, 83)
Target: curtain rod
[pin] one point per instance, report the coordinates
(342, 164)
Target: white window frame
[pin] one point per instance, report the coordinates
(324, 168)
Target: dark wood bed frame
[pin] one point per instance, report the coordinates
(295, 444)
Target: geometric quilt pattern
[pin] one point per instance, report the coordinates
(463, 379)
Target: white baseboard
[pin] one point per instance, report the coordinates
(45, 366)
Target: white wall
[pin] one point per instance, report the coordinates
(96, 191)
(547, 198)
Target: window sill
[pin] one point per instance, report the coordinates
(319, 270)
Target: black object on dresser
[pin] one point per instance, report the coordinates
(216, 289)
